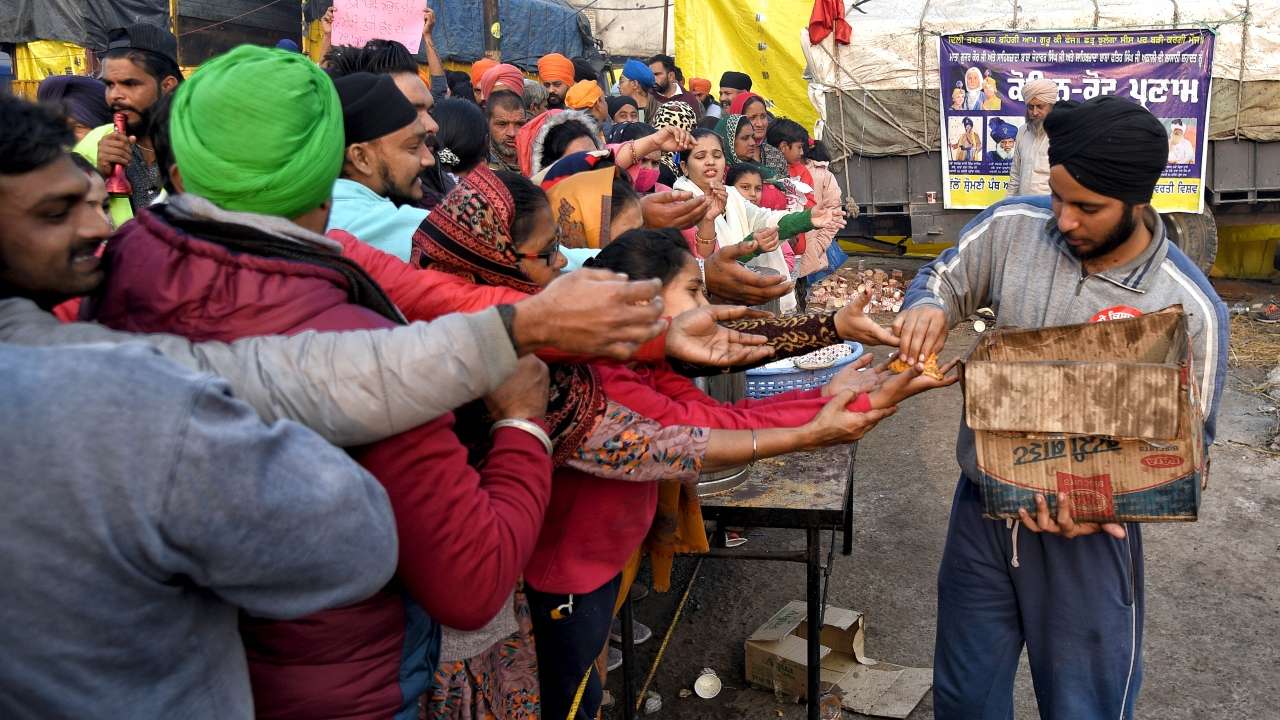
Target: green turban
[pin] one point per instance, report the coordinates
(258, 130)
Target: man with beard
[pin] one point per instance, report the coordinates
(386, 150)
(733, 82)
(1181, 151)
(140, 66)
(1029, 173)
(1071, 592)
(505, 111)
(666, 85)
(1003, 133)
(380, 208)
(556, 73)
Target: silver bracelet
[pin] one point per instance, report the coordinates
(702, 270)
(529, 427)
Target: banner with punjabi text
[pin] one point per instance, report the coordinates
(983, 72)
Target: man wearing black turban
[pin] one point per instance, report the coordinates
(1070, 593)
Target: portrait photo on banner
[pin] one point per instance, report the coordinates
(964, 138)
(1002, 132)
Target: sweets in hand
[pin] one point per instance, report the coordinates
(930, 366)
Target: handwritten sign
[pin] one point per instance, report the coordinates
(356, 22)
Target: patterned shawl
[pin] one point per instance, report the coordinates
(727, 129)
(469, 235)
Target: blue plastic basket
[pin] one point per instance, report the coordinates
(763, 382)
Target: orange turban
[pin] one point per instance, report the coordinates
(583, 95)
(478, 69)
(555, 67)
(700, 85)
(502, 77)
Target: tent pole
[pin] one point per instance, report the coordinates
(492, 31)
(666, 15)
(173, 24)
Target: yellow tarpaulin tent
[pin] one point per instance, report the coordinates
(36, 60)
(757, 37)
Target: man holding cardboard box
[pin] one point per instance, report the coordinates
(1072, 592)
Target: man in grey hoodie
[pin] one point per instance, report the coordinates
(1071, 592)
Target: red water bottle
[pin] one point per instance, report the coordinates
(118, 184)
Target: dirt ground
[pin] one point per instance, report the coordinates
(1213, 606)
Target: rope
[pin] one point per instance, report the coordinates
(230, 19)
(662, 649)
(1244, 44)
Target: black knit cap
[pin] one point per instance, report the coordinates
(736, 80)
(372, 106)
(141, 36)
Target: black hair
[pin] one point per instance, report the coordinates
(160, 142)
(708, 122)
(668, 62)
(583, 70)
(528, 200)
(624, 193)
(644, 255)
(463, 131)
(560, 137)
(380, 57)
(31, 136)
(154, 64)
(679, 75)
(698, 133)
(737, 170)
(624, 132)
(503, 99)
(786, 130)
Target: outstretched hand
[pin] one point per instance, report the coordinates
(697, 337)
(590, 312)
(727, 278)
(853, 324)
(858, 376)
(911, 382)
(673, 209)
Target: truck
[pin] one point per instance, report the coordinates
(880, 105)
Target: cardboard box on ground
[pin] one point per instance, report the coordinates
(1106, 412)
(776, 661)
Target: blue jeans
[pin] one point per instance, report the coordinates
(1077, 606)
(567, 647)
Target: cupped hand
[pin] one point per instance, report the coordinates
(728, 279)
(697, 337)
(673, 209)
(853, 323)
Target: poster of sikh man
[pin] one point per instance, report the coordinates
(1181, 151)
(965, 142)
(1003, 134)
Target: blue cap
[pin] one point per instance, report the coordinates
(287, 44)
(638, 71)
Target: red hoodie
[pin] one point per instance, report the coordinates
(464, 536)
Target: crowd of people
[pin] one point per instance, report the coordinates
(367, 392)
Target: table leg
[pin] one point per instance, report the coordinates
(628, 656)
(814, 599)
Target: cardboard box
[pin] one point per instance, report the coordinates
(1105, 412)
(777, 654)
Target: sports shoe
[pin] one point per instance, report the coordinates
(615, 659)
(640, 632)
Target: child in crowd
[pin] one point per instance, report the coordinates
(807, 162)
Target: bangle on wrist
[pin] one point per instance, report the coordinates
(527, 426)
(755, 448)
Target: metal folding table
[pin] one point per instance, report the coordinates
(810, 491)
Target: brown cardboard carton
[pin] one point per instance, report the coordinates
(776, 661)
(1104, 412)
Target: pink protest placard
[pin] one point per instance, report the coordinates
(356, 22)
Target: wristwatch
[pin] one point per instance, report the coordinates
(508, 315)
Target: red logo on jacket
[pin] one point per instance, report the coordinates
(1119, 312)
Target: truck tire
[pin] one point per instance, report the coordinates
(1196, 235)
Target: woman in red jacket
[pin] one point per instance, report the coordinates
(499, 230)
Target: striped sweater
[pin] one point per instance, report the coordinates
(1013, 259)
